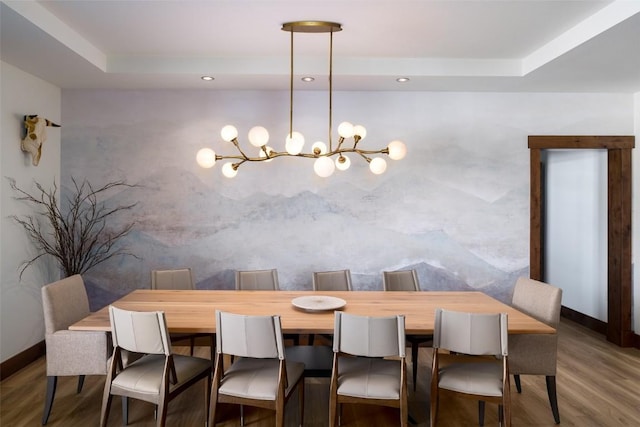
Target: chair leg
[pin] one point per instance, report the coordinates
(162, 412)
(481, 412)
(301, 401)
(553, 398)
(125, 410)
(80, 383)
(414, 359)
(52, 381)
(192, 344)
(312, 338)
(516, 379)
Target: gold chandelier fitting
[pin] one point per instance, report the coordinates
(324, 165)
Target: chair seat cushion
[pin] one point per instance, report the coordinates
(369, 378)
(472, 378)
(142, 379)
(258, 378)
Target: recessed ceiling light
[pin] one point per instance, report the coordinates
(207, 78)
(402, 79)
(307, 79)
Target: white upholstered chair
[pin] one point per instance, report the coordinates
(537, 354)
(260, 374)
(159, 375)
(469, 366)
(407, 280)
(70, 353)
(362, 371)
(176, 279)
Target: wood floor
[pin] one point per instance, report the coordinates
(598, 385)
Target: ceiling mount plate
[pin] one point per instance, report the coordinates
(312, 27)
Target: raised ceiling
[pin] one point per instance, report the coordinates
(517, 45)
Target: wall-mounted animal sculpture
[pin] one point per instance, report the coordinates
(36, 135)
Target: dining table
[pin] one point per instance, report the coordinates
(308, 312)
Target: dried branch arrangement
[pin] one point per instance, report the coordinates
(76, 232)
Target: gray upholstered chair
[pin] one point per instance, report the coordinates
(407, 280)
(537, 354)
(176, 279)
(70, 353)
(159, 375)
(361, 371)
(469, 366)
(264, 280)
(261, 280)
(339, 280)
(260, 375)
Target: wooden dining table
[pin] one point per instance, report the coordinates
(193, 311)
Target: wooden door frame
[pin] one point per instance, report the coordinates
(619, 277)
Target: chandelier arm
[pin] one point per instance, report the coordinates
(237, 145)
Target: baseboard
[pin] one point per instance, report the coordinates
(594, 324)
(582, 319)
(22, 359)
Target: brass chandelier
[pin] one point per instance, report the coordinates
(323, 154)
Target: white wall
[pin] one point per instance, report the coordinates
(21, 324)
(576, 228)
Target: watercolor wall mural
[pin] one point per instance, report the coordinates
(456, 208)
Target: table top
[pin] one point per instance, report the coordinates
(194, 311)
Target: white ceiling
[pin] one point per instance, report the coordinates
(481, 45)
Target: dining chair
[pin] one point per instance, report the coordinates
(260, 375)
(252, 280)
(537, 354)
(176, 279)
(337, 280)
(70, 353)
(261, 280)
(368, 364)
(407, 280)
(470, 359)
(159, 375)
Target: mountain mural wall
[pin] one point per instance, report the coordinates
(456, 209)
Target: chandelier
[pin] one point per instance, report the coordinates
(350, 136)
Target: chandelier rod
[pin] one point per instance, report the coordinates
(330, 88)
(291, 89)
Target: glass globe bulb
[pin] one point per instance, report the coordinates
(378, 165)
(263, 155)
(360, 131)
(397, 150)
(294, 143)
(258, 136)
(345, 130)
(228, 170)
(229, 133)
(319, 147)
(324, 167)
(343, 163)
(206, 158)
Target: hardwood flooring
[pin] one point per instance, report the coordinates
(598, 385)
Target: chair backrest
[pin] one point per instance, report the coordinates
(339, 280)
(403, 280)
(140, 331)
(264, 280)
(249, 336)
(471, 333)
(64, 302)
(172, 279)
(369, 336)
(539, 300)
